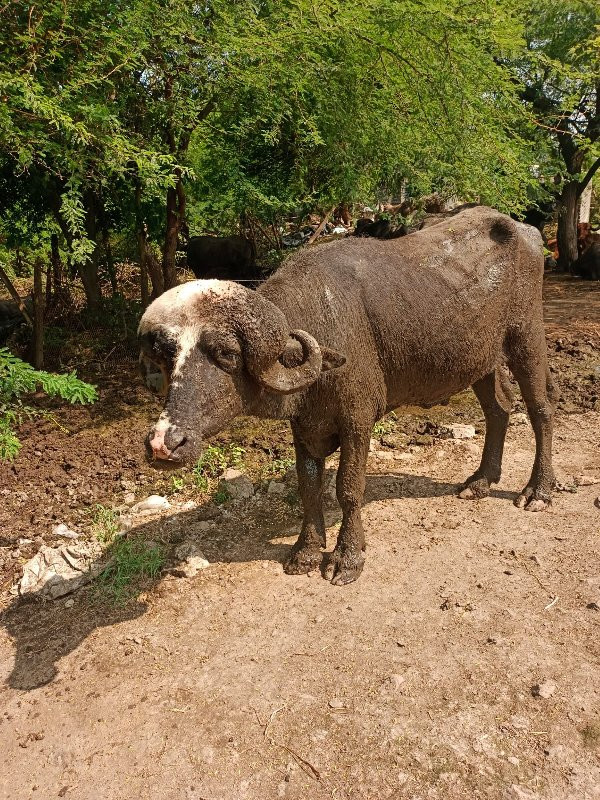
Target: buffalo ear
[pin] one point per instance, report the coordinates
(331, 359)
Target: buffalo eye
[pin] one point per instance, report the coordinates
(224, 351)
(228, 360)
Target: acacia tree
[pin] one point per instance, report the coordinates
(560, 68)
(263, 106)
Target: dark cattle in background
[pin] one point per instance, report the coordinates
(223, 257)
(344, 333)
(379, 229)
(588, 263)
(11, 317)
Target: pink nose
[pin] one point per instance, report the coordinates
(158, 446)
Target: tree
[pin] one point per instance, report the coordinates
(560, 69)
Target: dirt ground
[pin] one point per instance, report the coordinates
(415, 682)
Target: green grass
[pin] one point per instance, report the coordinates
(221, 496)
(105, 524)
(133, 563)
(213, 462)
(385, 425)
(177, 483)
(277, 467)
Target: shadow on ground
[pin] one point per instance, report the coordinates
(45, 631)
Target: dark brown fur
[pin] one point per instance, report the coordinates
(416, 320)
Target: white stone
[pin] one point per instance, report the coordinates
(191, 560)
(64, 532)
(461, 431)
(519, 419)
(56, 571)
(545, 689)
(151, 505)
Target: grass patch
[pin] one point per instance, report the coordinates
(277, 467)
(385, 425)
(214, 461)
(221, 496)
(105, 523)
(177, 483)
(133, 563)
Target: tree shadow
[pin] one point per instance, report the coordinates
(44, 631)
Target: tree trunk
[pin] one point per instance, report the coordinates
(568, 203)
(38, 315)
(149, 266)
(88, 270)
(175, 214)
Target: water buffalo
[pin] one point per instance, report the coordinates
(344, 333)
(224, 257)
(588, 263)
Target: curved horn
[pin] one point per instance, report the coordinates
(285, 380)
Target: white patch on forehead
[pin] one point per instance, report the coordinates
(186, 341)
(174, 308)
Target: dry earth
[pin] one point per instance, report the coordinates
(415, 682)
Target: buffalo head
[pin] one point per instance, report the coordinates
(214, 349)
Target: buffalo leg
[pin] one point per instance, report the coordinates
(306, 553)
(529, 364)
(346, 561)
(494, 395)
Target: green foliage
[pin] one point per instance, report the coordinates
(215, 460)
(105, 523)
(132, 563)
(17, 379)
(177, 483)
(385, 425)
(276, 467)
(221, 496)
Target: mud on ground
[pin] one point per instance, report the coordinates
(418, 681)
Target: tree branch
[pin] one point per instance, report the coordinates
(588, 176)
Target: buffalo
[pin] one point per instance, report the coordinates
(588, 263)
(224, 257)
(346, 332)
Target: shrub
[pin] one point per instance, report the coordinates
(17, 379)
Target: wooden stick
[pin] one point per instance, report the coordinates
(15, 296)
(321, 225)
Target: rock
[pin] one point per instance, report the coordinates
(459, 431)
(69, 603)
(339, 229)
(593, 606)
(586, 480)
(335, 703)
(473, 449)
(275, 487)
(129, 498)
(237, 485)
(597, 502)
(151, 505)
(204, 525)
(374, 445)
(519, 419)
(191, 560)
(64, 532)
(54, 572)
(513, 760)
(545, 689)
(384, 455)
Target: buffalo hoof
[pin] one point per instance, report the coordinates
(303, 560)
(341, 570)
(533, 499)
(475, 488)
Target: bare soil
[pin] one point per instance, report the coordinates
(417, 681)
